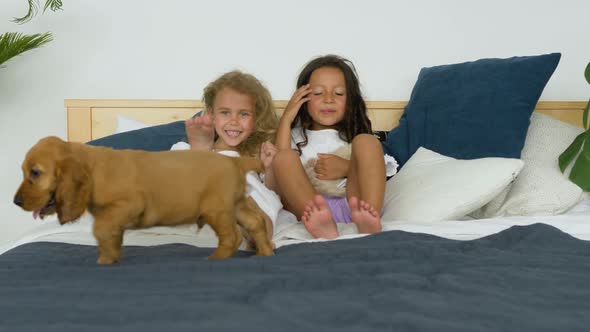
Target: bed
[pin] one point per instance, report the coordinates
(525, 273)
(90, 119)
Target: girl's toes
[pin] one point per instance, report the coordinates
(365, 205)
(354, 204)
(373, 212)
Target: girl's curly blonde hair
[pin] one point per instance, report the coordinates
(265, 118)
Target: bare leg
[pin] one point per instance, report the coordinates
(366, 151)
(291, 181)
(299, 196)
(200, 132)
(317, 219)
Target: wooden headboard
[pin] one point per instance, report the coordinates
(90, 119)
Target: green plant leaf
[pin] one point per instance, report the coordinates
(13, 44)
(566, 157)
(580, 174)
(587, 73)
(33, 7)
(54, 5)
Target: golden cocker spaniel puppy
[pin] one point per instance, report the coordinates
(127, 189)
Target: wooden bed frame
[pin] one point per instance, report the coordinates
(90, 119)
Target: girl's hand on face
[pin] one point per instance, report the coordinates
(267, 153)
(299, 97)
(331, 167)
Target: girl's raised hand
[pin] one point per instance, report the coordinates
(299, 97)
(200, 132)
(267, 153)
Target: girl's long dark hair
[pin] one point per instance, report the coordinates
(356, 120)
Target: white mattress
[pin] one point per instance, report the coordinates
(575, 222)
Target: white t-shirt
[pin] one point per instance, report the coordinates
(328, 141)
(267, 200)
(318, 141)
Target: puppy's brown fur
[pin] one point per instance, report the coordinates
(126, 189)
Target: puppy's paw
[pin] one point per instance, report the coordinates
(222, 253)
(104, 260)
(265, 252)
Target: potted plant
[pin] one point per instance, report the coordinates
(13, 43)
(579, 151)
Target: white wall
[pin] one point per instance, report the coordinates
(171, 49)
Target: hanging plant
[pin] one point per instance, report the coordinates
(13, 43)
(34, 8)
(580, 147)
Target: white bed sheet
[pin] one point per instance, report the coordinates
(575, 222)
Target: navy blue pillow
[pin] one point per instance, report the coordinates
(156, 138)
(472, 110)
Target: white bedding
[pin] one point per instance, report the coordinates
(575, 222)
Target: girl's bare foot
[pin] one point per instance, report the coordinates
(364, 216)
(200, 132)
(317, 219)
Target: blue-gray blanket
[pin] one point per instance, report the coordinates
(533, 278)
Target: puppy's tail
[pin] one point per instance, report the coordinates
(249, 164)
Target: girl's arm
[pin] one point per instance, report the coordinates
(284, 131)
(331, 167)
(267, 154)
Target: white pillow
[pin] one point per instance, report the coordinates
(541, 188)
(127, 124)
(433, 187)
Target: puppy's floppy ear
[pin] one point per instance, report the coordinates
(73, 189)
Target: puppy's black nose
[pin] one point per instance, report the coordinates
(18, 200)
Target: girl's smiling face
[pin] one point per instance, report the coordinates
(233, 118)
(328, 97)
